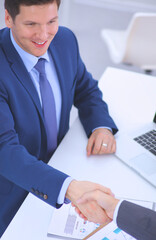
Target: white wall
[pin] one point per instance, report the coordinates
(125, 5)
(2, 23)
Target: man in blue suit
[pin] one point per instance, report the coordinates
(32, 33)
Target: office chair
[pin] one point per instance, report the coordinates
(136, 45)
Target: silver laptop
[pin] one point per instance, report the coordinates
(138, 150)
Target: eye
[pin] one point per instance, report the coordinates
(52, 21)
(30, 24)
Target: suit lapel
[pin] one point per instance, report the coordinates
(20, 71)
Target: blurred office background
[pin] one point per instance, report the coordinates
(88, 17)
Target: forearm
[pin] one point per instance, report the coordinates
(93, 111)
(26, 171)
(136, 220)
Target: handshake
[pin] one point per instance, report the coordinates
(93, 202)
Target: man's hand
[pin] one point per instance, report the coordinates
(89, 210)
(107, 202)
(101, 141)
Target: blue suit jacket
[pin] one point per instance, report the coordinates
(138, 221)
(23, 143)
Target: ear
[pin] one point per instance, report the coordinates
(8, 19)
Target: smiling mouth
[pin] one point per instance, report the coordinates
(39, 44)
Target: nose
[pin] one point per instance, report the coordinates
(42, 33)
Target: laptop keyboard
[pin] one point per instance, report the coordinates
(148, 141)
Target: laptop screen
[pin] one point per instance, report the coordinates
(154, 120)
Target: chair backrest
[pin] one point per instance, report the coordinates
(141, 41)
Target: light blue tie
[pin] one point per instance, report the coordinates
(48, 106)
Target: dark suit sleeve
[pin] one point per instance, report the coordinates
(20, 167)
(137, 221)
(93, 111)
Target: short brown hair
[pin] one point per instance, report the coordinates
(13, 6)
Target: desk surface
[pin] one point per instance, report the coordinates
(121, 90)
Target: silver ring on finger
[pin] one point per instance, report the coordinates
(104, 145)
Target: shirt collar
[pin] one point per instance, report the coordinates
(28, 59)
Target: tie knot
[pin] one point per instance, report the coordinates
(40, 66)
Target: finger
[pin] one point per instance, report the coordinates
(111, 145)
(77, 211)
(96, 186)
(93, 195)
(86, 197)
(106, 145)
(97, 146)
(73, 205)
(90, 146)
(105, 149)
(95, 213)
(114, 147)
(82, 216)
(105, 190)
(80, 213)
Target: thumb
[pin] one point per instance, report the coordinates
(89, 196)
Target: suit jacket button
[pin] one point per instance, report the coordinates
(45, 196)
(37, 192)
(41, 194)
(32, 190)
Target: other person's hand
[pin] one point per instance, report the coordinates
(107, 202)
(89, 210)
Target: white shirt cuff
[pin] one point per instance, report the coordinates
(102, 127)
(61, 197)
(116, 212)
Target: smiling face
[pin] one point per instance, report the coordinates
(34, 27)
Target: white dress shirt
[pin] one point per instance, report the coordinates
(115, 215)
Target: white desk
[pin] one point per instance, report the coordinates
(120, 90)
